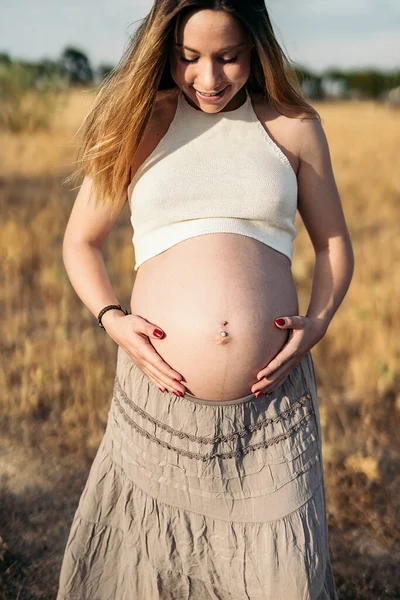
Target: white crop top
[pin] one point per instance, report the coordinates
(213, 173)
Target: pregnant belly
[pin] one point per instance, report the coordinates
(211, 284)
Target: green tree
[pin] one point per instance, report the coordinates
(103, 70)
(310, 83)
(29, 95)
(76, 65)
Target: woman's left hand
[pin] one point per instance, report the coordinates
(305, 333)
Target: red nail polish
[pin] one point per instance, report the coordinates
(280, 321)
(176, 394)
(158, 333)
(161, 390)
(257, 394)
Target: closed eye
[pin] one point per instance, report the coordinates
(232, 60)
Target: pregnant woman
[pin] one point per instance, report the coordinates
(208, 482)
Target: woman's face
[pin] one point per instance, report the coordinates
(218, 59)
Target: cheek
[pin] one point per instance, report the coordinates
(244, 66)
(238, 71)
(179, 71)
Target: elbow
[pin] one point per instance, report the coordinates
(73, 247)
(349, 254)
(64, 249)
(339, 248)
(67, 251)
(351, 265)
(68, 244)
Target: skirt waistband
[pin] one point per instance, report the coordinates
(137, 395)
(298, 371)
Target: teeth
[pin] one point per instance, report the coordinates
(210, 94)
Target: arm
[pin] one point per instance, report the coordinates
(86, 231)
(320, 207)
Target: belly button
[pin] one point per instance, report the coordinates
(222, 338)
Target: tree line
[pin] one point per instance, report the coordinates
(30, 91)
(75, 68)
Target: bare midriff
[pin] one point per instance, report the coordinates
(197, 285)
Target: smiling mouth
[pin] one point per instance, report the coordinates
(211, 93)
(211, 97)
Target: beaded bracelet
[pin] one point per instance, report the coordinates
(105, 309)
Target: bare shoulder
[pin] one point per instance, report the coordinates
(283, 125)
(312, 138)
(292, 129)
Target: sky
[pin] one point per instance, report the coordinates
(315, 34)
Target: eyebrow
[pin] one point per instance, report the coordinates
(221, 50)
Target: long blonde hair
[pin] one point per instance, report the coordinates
(113, 129)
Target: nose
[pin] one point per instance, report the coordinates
(209, 76)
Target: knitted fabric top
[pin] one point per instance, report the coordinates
(213, 173)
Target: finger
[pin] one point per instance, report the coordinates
(150, 330)
(271, 387)
(159, 369)
(270, 384)
(153, 331)
(162, 386)
(168, 383)
(153, 379)
(152, 363)
(294, 322)
(280, 362)
(270, 379)
(147, 354)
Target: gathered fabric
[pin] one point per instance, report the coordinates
(194, 499)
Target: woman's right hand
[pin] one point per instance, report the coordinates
(133, 334)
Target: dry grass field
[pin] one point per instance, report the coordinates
(57, 366)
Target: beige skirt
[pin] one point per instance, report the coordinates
(192, 499)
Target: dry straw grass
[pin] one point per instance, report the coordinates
(57, 367)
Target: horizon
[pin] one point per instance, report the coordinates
(318, 35)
